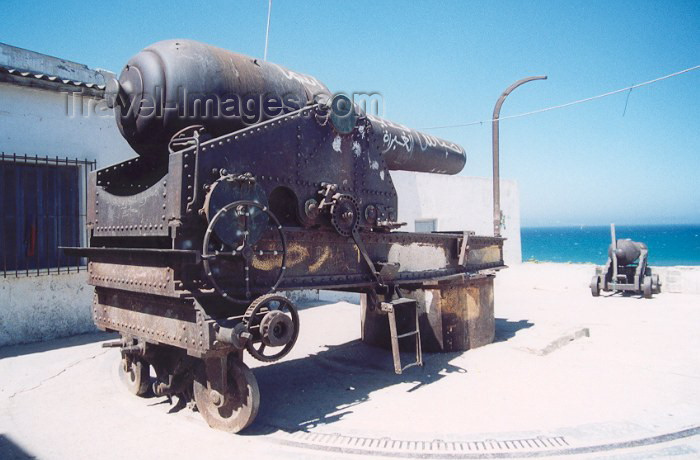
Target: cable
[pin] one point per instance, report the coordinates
(560, 106)
(267, 29)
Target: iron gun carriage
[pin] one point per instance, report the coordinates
(229, 204)
(627, 269)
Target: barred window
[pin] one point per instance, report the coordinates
(42, 207)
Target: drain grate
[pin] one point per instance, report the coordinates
(541, 446)
(359, 444)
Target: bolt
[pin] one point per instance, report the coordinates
(216, 398)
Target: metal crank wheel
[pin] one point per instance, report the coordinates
(135, 375)
(273, 322)
(246, 250)
(237, 408)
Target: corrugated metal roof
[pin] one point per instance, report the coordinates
(50, 78)
(19, 62)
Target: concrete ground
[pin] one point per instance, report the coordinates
(569, 375)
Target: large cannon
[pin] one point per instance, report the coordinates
(250, 181)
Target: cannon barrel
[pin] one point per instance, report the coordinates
(174, 84)
(405, 149)
(627, 251)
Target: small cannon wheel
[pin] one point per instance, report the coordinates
(241, 401)
(646, 287)
(655, 284)
(595, 286)
(135, 375)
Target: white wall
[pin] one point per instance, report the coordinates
(37, 308)
(679, 279)
(39, 122)
(459, 203)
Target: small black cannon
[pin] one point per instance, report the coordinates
(626, 270)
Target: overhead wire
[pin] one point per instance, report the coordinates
(568, 104)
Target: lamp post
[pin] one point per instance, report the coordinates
(497, 215)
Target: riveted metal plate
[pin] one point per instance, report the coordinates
(155, 319)
(154, 280)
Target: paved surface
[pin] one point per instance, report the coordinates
(569, 374)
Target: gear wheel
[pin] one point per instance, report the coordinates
(264, 321)
(345, 214)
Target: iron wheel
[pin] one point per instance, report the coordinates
(595, 286)
(135, 375)
(646, 287)
(241, 401)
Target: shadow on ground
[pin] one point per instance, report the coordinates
(322, 388)
(625, 294)
(38, 347)
(11, 451)
(507, 329)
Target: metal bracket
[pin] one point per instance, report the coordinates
(328, 193)
(216, 369)
(365, 255)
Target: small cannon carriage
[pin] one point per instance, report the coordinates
(627, 269)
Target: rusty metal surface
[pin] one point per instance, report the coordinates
(290, 160)
(454, 315)
(321, 180)
(483, 252)
(315, 260)
(136, 278)
(191, 239)
(155, 319)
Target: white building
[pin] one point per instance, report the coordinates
(55, 127)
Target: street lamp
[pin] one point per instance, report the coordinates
(497, 215)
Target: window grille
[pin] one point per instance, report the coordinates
(43, 204)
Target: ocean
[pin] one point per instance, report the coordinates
(668, 244)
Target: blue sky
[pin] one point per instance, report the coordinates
(439, 63)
